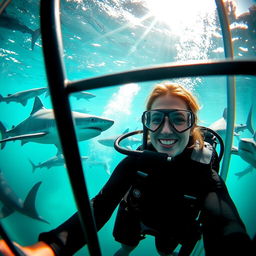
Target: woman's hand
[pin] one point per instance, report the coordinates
(38, 249)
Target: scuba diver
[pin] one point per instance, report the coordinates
(173, 192)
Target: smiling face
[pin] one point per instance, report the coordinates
(166, 139)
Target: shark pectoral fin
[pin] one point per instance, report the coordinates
(3, 134)
(35, 36)
(24, 102)
(24, 136)
(247, 170)
(30, 201)
(234, 150)
(5, 212)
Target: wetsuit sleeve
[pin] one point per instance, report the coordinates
(223, 230)
(68, 237)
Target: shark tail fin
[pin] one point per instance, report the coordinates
(3, 135)
(35, 36)
(1, 98)
(249, 121)
(33, 165)
(30, 202)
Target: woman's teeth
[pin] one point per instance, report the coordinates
(167, 142)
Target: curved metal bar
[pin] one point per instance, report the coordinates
(3, 5)
(220, 67)
(53, 55)
(231, 89)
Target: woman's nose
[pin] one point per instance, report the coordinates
(166, 126)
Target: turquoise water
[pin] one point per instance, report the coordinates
(102, 37)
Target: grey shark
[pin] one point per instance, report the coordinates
(57, 160)
(79, 95)
(247, 150)
(128, 142)
(40, 127)
(220, 125)
(22, 97)
(93, 163)
(83, 95)
(14, 203)
(247, 170)
(11, 23)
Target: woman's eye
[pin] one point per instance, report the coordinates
(179, 119)
(156, 120)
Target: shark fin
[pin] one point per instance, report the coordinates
(247, 170)
(225, 113)
(126, 130)
(29, 204)
(234, 150)
(24, 102)
(5, 212)
(249, 122)
(35, 36)
(24, 136)
(37, 105)
(3, 135)
(33, 165)
(59, 152)
(1, 98)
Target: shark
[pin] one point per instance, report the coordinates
(40, 127)
(247, 170)
(57, 160)
(13, 203)
(92, 162)
(79, 95)
(220, 125)
(83, 95)
(11, 23)
(128, 142)
(22, 97)
(247, 151)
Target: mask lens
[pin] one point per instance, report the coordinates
(153, 119)
(181, 120)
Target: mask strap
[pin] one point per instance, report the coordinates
(145, 138)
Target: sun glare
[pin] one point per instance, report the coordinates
(180, 13)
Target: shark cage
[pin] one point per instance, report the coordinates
(61, 88)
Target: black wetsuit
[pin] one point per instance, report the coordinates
(157, 201)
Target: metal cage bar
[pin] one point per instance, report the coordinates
(54, 64)
(231, 89)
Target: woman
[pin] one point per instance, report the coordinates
(162, 197)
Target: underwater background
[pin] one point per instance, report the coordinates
(103, 37)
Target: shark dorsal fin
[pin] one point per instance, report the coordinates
(37, 105)
(58, 152)
(225, 114)
(249, 121)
